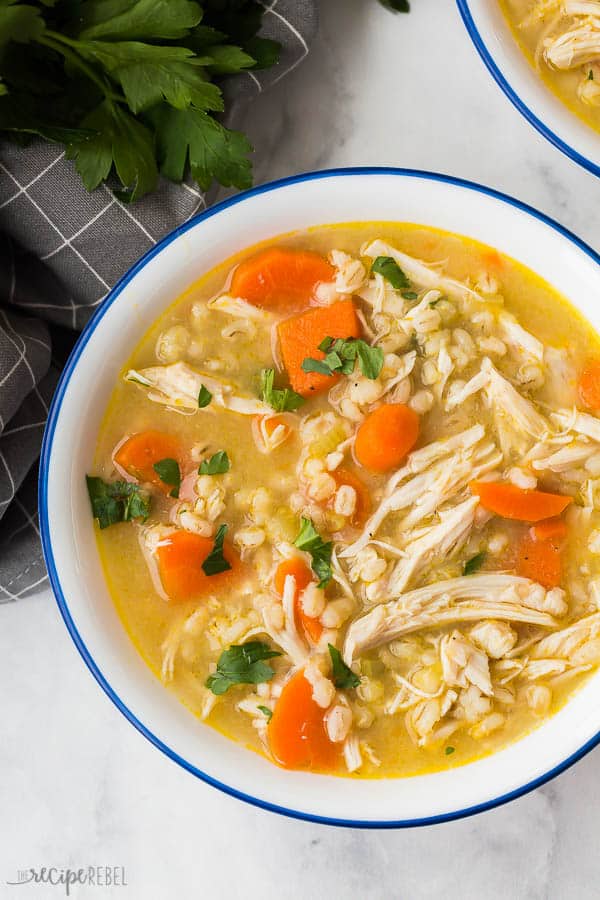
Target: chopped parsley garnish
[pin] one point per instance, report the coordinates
(410, 295)
(391, 271)
(311, 541)
(215, 562)
(218, 464)
(343, 676)
(117, 501)
(475, 563)
(340, 356)
(449, 750)
(242, 664)
(204, 397)
(169, 473)
(267, 713)
(282, 400)
(590, 75)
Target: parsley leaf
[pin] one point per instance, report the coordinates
(120, 140)
(343, 676)
(212, 151)
(121, 20)
(340, 355)
(268, 713)
(242, 664)
(169, 473)
(475, 563)
(311, 541)
(285, 400)
(449, 750)
(116, 501)
(391, 271)
(216, 465)
(19, 22)
(149, 74)
(204, 397)
(131, 87)
(215, 562)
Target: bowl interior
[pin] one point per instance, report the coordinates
(508, 64)
(67, 529)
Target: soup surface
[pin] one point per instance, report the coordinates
(348, 490)
(561, 38)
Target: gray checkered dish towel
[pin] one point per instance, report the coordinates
(61, 251)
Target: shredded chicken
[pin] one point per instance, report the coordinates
(178, 386)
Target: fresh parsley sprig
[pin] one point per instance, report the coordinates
(391, 271)
(242, 664)
(116, 501)
(340, 356)
(282, 400)
(475, 563)
(311, 541)
(130, 86)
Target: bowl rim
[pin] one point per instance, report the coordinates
(46, 452)
(464, 8)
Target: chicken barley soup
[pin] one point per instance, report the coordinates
(562, 39)
(348, 498)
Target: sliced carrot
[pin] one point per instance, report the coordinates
(138, 454)
(540, 560)
(589, 385)
(180, 557)
(297, 734)
(299, 339)
(362, 510)
(513, 502)
(386, 436)
(280, 278)
(297, 567)
(549, 529)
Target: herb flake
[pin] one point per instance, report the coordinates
(204, 397)
(242, 664)
(311, 542)
(281, 400)
(475, 563)
(340, 356)
(391, 271)
(218, 464)
(169, 473)
(267, 713)
(343, 676)
(215, 562)
(116, 501)
(449, 751)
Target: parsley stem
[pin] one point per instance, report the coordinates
(68, 48)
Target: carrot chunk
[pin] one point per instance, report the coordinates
(180, 557)
(386, 436)
(362, 511)
(513, 502)
(297, 567)
(280, 278)
(589, 385)
(300, 336)
(549, 529)
(297, 735)
(138, 454)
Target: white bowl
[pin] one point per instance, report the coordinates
(498, 48)
(67, 527)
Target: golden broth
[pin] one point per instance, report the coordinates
(563, 82)
(151, 621)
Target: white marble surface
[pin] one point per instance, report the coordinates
(78, 785)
